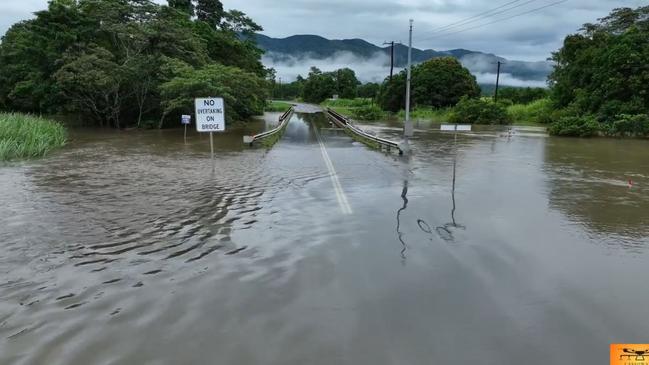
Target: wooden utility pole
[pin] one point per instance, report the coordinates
(391, 43)
(408, 129)
(497, 82)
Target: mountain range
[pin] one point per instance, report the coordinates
(300, 50)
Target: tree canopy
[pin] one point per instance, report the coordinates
(320, 86)
(111, 60)
(603, 70)
(438, 82)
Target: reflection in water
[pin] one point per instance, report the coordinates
(445, 231)
(404, 196)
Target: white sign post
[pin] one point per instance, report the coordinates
(210, 117)
(185, 120)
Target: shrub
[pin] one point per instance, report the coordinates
(367, 112)
(478, 111)
(630, 125)
(539, 111)
(584, 126)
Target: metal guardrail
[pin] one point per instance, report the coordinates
(343, 122)
(283, 119)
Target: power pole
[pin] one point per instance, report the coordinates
(391, 43)
(408, 130)
(497, 82)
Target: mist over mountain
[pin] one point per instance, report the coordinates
(294, 56)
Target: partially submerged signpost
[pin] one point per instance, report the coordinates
(210, 117)
(455, 128)
(186, 120)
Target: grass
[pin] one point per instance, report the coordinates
(346, 106)
(531, 114)
(277, 106)
(24, 136)
(441, 115)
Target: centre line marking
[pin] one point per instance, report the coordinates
(340, 194)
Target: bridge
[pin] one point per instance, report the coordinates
(270, 137)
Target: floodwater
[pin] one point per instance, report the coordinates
(495, 248)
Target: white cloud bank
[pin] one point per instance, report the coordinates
(373, 69)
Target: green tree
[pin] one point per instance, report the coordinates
(438, 82)
(210, 11)
(92, 81)
(186, 6)
(104, 59)
(318, 86)
(368, 90)
(346, 83)
(603, 70)
(244, 93)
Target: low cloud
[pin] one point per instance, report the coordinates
(507, 80)
(372, 69)
(377, 67)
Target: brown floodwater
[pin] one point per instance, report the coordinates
(495, 248)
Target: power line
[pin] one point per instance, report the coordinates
(495, 21)
(480, 16)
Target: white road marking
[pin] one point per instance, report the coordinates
(340, 194)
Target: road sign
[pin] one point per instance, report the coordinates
(186, 119)
(456, 127)
(210, 115)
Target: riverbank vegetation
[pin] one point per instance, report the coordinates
(24, 136)
(600, 83)
(119, 63)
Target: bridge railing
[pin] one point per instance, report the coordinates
(275, 132)
(371, 140)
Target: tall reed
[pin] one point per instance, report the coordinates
(26, 136)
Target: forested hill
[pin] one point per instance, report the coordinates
(316, 47)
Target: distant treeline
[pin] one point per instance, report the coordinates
(131, 62)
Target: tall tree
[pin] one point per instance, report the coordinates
(439, 82)
(186, 6)
(210, 11)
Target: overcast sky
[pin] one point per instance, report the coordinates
(528, 37)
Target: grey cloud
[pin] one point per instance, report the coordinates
(530, 37)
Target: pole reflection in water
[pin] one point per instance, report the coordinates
(446, 231)
(404, 196)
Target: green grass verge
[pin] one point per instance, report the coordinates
(360, 108)
(24, 136)
(532, 114)
(277, 106)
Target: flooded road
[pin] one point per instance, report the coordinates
(136, 248)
